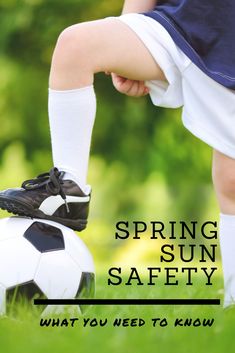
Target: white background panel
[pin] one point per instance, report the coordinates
(2, 300)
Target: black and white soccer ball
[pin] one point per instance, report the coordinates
(42, 259)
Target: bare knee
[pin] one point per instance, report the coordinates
(73, 46)
(74, 60)
(224, 181)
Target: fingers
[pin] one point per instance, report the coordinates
(135, 88)
(129, 87)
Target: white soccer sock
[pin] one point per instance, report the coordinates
(71, 117)
(227, 247)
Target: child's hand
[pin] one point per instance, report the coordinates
(129, 87)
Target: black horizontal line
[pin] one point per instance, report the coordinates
(126, 301)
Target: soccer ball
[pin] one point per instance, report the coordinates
(42, 259)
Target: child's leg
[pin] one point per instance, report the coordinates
(99, 46)
(224, 182)
(81, 51)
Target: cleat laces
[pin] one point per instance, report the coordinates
(53, 182)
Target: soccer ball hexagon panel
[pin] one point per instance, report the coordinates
(42, 259)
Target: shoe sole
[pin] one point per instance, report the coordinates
(21, 209)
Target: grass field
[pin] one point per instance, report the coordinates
(21, 332)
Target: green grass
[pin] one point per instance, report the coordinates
(21, 332)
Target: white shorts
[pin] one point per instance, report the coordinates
(208, 107)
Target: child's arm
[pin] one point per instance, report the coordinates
(123, 85)
(138, 5)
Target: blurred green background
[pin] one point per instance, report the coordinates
(144, 166)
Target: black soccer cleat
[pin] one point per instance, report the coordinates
(49, 197)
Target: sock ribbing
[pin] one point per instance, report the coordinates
(71, 117)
